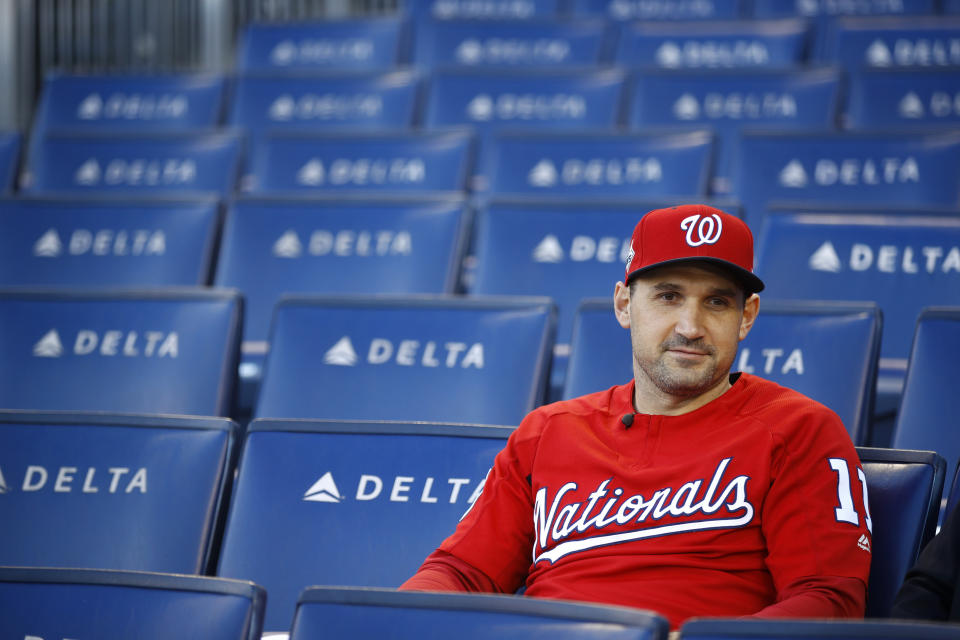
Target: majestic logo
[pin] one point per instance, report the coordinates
(864, 543)
(408, 353)
(323, 490)
(707, 230)
(371, 487)
(553, 525)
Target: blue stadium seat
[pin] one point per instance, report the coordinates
(543, 44)
(598, 167)
(39, 604)
(904, 262)
(86, 243)
(923, 421)
(273, 247)
(891, 42)
(144, 165)
(901, 99)
(375, 613)
(489, 99)
(263, 103)
(830, 9)
(360, 44)
(846, 169)
(410, 163)
(113, 491)
(828, 351)
(421, 10)
(904, 494)
(168, 351)
(729, 629)
(348, 503)
(9, 160)
(721, 44)
(129, 102)
(729, 101)
(627, 10)
(480, 360)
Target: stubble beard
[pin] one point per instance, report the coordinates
(676, 379)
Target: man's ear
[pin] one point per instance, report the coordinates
(750, 310)
(621, 304)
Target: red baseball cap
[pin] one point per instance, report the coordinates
(693, 232)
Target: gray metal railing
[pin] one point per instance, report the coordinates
(140, 36)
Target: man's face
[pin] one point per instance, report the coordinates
(685, 324)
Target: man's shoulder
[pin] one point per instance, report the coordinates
(765, 398)
(603, 402)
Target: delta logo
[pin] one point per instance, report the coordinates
(129, 344)
(849, 172)
(886, 259)
(344, 243)
(140, 172)
(408, 353)
(369, 487)
(595, 172)
(103, 242)
(582, 248)
(69, 479)
(362, 172)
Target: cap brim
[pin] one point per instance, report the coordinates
(750, 282)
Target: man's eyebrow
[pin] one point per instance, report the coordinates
(667, 286)
(726, 292)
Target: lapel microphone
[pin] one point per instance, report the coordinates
(627, 420)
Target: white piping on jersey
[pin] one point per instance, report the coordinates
(555, 526)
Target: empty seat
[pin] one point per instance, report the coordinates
(891, 42)
(543, 43)
(481, 360)
(624, 10)
(113, 491)
(883, 170)
(728, 102)
(904, 262)
(129, 102)
(87, 243)
(826, 350)
(421, 10)
(262, 103)
(900, 99)
(727, 629)
(828, 9)
(348, 503)
(349, 44)
(273, 247)
(9, 160)
(491, 99)
(596, 167)
(141, 164)
(720, 44)
(85, 603)
(348, 613)
(904, 495)
(923, 421)
(372, 164)
(150, 351)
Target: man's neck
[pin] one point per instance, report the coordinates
(650, 399)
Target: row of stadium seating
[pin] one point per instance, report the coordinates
(223, 609)
(347, 503)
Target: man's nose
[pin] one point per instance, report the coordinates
(689, 322)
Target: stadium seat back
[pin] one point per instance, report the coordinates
(109, 243)
(112, 491)
(86, 603)
(348, 503)
(922, 421)
(147, 351)
(375, 100)
(901, 99)
(439, 358)
(361, 44)
(340, 613)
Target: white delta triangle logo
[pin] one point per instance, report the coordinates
(48, 245)
(826, 259)
(49, 346)
(323, 490)
(341, 354)
(543, 174)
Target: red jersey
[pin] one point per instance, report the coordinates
(716, 512)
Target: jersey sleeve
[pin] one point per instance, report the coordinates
(495, 535)
(816, 519)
